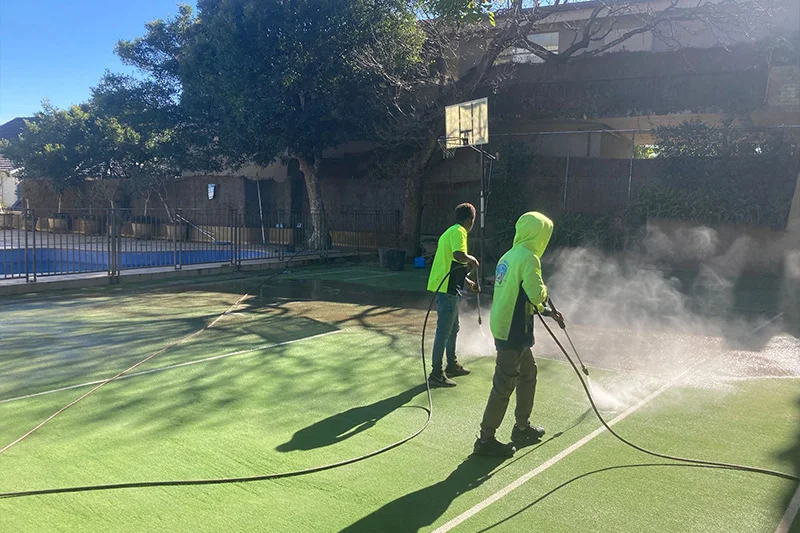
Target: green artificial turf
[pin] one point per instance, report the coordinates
(321, 381)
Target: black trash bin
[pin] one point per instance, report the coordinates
(396, 260)
(383, 257)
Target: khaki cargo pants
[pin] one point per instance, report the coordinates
(513, 369)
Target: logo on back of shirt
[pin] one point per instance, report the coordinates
(500, 273)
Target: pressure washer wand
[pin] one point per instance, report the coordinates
(478, 295)
(563, 326)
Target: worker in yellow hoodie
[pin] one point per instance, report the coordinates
(518, 289)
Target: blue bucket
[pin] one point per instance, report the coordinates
(419, 262)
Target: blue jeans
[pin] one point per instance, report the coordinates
(447, 328)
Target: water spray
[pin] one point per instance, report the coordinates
(480, 317)
(605, 400)
(586, 384)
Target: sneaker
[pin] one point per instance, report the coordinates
(527, 436)
(493, 447)
(456, 370)
(440, 381)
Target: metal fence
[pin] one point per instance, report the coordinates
(35, 244)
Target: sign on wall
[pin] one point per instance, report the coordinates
(212, 189)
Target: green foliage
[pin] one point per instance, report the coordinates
(723, 174)
(159, 52)
(269, 78)
(155, 154)
(469, 11)
(647, 151)
(64, 147)
(694, 138)
(712, 206)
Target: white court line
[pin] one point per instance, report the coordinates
(776, 317)
(469, 513)
(323, 272)
(790, 515)
(757, 378)
(370, 277)
(170, 367)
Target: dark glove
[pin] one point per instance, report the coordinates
(559, 318)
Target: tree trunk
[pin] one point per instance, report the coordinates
(319, 228)
(461, 89)
(413, 198)
(412, 214)
(163, 198)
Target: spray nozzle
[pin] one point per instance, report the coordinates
(555, 315)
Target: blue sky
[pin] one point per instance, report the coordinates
(58, 49)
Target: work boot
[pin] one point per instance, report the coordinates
(455, 370)
(440, 381)
(493, 447)
(527, 435)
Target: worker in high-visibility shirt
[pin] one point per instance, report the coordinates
(518, 289)
(447, 279)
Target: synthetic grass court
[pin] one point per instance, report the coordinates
(322, 365)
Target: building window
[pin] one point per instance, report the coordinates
(641, 42)
(548, 41)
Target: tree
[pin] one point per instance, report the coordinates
(277, 80)
(154, 154)
(417, 101)
(63, 147)
(260, 80)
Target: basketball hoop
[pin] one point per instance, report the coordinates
(467, 125)
(448, 145)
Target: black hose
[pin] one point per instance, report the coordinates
(730, 466)
(245, 479)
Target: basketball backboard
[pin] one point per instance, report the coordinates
(467, 124)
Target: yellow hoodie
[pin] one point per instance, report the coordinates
(518, 283)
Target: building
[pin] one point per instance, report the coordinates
(600, 107)
(590, 116)
(9, 186)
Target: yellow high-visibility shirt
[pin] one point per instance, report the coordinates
(452, 240)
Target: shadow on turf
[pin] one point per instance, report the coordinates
(423, 507)
(432, 502)
(342, 426)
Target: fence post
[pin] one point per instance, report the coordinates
(232, 223)
(25, 225)
(630, 170)
(110, 228)
(33, 255)
(398, 222)
(566, 183)
(175, 239)
(113, 251)
(377, 230)
(239, 223)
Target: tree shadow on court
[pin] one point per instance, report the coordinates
(423, 507)
(419, 509)
(342, 426)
